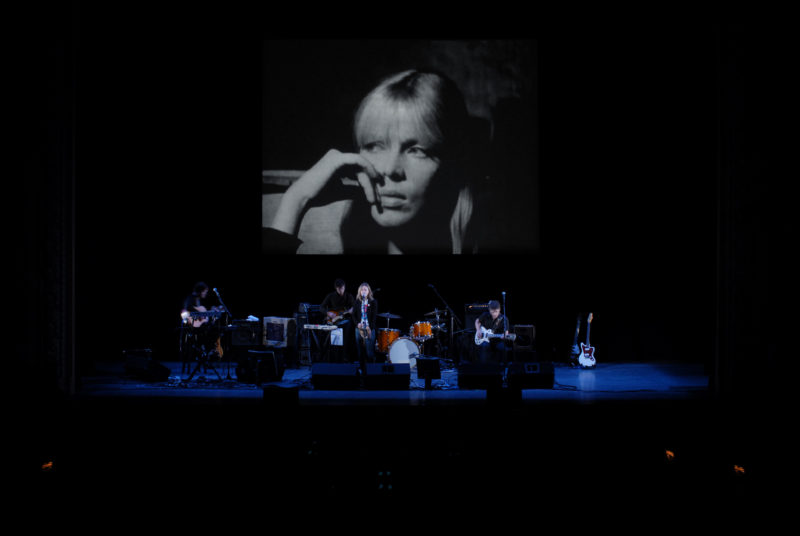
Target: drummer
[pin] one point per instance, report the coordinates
(364, 312)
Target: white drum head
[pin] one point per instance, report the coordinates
(404, 350)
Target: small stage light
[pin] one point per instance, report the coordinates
(670, 455)
(47, 466)
(738, 469)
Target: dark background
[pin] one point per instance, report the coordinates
(169, 151)
(664, 210)
(143, 159)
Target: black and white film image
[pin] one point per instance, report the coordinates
(399, 147)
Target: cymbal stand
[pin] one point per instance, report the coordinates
(452, 315)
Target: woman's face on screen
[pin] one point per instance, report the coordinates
(407, 157)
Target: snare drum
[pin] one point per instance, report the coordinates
(420, 330)
(404, 350)
(386, 337)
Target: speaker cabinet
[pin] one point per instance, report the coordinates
(335, 376)
(480, 376)
(387, 377)
(260, 366)
(531, 375)
(279, 332)
(270, 367)
(471, 312)
(525, 336)
(246, 334)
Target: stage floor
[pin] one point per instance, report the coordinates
(608, 381)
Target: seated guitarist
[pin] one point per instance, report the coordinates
(207, 337)
(492, 349)
(196, 302)
(338, 306)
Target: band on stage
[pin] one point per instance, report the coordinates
(350, 329)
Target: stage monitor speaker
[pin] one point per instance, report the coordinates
(140, 364)
(531, 375)
(525, 335)
(480, 376)
(387, 377)
(335, 376)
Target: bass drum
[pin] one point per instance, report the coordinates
(404, 350)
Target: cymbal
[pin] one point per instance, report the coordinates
(388, 315)
(443, 312)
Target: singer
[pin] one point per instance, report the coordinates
(496, 327)
(365, 311)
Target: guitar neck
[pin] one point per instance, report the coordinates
(588, 328)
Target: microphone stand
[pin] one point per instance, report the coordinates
(452, 319)
(228, 313)
(505, 318)
(506, 327)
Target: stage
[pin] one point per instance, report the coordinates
(606, 382)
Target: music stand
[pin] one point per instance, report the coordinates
(429, 368)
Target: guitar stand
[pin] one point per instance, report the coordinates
(204, 361)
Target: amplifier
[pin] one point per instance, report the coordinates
(472, 311)
(245, 333)
(279, 332)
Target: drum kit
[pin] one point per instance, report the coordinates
(400, 348)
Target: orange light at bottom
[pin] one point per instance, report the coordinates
(670, 455)
(738, 469)
(47, 466)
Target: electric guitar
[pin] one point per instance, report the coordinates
(483, 335)
(573, 356)
(336, 315)
(586, 359)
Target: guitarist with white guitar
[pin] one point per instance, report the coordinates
(491, 332)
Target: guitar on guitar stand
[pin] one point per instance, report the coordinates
(586, 358)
